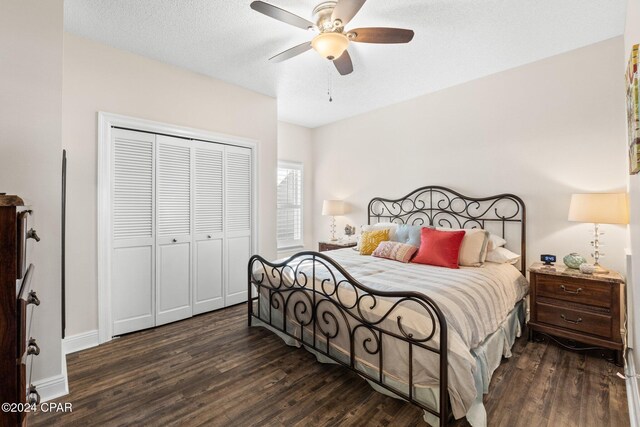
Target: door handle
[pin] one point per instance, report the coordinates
(209, 236)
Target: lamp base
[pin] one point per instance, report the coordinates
(332, 227)
(600, 269)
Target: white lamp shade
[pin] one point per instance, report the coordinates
(333, 207)
(599, 208)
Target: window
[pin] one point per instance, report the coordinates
(289, 205)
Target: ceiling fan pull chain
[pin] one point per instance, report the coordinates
(330, 88)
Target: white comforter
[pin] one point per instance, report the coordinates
(474, 301)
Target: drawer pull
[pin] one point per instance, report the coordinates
(33, 396)
(575, 322)
(32, 347)
(174, 240)
(577, 291)
(33, 298)
(32, 234)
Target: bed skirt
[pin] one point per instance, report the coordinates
(488, 356)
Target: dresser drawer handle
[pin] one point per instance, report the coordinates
(33, 395)
(33, 298)
(32, 347)
(575, 322)
(577, 291)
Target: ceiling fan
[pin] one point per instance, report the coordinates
(332, 39)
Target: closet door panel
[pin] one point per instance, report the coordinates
(238, 220)
(208, 294)
(173, 204)
(208, 229)
(238, 254)
(174, 302)
(238, 191)
(132, 192)
(132, 290)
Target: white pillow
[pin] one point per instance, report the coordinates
(495, 241)
(502, 256)
(392, 227)
(473, 250)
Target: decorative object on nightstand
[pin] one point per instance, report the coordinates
(333, 208)
(587, 268)
(349, 230)
(599, 208)
(548, 259)
(332, 246)
(573, 260)
(581, 308)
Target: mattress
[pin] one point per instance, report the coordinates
(476, 302)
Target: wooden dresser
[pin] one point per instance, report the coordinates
(17, 301)
(585, 308)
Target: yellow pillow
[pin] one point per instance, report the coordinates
(371, 239)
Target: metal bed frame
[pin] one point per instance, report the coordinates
(314, 303)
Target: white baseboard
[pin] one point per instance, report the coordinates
(633, 391)
(56, 386)
(80, 342)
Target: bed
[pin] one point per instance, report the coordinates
(429, 335)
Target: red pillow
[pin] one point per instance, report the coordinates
(439, 248)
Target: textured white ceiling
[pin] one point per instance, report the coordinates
(455, 41)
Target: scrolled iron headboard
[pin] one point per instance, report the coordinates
(502, 214)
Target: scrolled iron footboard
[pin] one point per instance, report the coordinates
(315, 301)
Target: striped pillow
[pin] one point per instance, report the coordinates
(396, 251)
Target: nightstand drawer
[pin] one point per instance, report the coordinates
(587, 292)
(575, 320)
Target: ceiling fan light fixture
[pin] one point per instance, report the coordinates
(330, 45)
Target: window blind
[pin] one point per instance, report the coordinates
(290, 232)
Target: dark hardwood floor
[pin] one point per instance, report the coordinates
(213, 370)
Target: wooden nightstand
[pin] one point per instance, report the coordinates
(331, 246)
(584, 308)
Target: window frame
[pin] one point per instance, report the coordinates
(291, 244)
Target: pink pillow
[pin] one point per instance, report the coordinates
(395, 250)
(440, 248)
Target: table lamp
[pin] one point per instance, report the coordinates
(599, 208)
(333, 208)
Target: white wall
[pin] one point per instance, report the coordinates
(100, 78)
(541, 131)
(31, 149)
(631, 37)
(294, 145)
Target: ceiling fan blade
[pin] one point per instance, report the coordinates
(381, 35)
(344, 64)
(345, 10)
(290, 53)
(281, 15)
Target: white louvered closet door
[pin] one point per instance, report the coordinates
(132, 229)
(208, 274)
(238, 221)
(174, 229)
